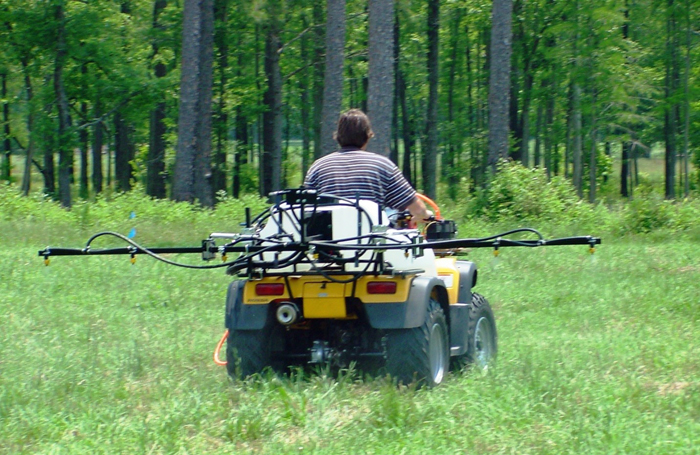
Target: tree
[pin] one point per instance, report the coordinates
(271, 159)
(29, 89)
(219, 166)
(6, 166)
(407, 131)
(155, 178)
(499, 80)
(192, 175)
(124, 152)
(318, 75)
(65, 157)
(431, 127)
(333, 77)
(671, 106)
(380, 92)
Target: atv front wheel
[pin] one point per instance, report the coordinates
(420, 354)
(482, 338)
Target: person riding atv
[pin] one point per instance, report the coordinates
(354, 172)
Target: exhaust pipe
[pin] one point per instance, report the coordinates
(288, 313)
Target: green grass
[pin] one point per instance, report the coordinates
(597, 355)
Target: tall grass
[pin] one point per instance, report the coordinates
(597, 354)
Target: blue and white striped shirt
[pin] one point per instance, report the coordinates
(350, 172)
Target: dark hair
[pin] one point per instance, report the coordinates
(354, 129)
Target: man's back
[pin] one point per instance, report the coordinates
(352, 172)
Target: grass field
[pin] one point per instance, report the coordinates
(597, 355)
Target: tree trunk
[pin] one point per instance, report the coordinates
(515, 124)
(305, 108)
(271, 160)
(97, 144)
(333, 77)
(472, 120)
(406, 129)
(499, 80)
(380, 90)
(625, 169)
(49, 174)
(454, 144)
(155, 166)
(65, 157)
(406, 124)
(431, 133)
(686, 102)
(192, 178)
(670, 117)
(241, 154)
(577, 140)
(218, 179)
(243, 145)
(395, 129)
(538, 136)
(84, 146)
(608, 153)
(155, 173)
(123, 153)
(592, 169)
(318, 76)
(6, 167)
(482, 113)
(27, 175)
(525, 120)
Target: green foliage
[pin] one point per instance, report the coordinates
(37, 207)
(156, 221)
(522, 194)
(651, 212)
(519, 196)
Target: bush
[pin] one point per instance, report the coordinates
(40, 219)
(522, 194)
(651, 212)
(36, 207)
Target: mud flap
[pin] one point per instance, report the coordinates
(459, 328)
(408, 314)
(467, 280)
(240, 316)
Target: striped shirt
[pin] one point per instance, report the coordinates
(350, 172)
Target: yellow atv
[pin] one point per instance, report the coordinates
(329, 280)
(366, 288)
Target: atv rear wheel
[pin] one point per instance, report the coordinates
(420, 354)
(251, 351)
(482, 338)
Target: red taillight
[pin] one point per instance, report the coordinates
(381, 287)
(269, 288)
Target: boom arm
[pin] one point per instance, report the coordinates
(295, 238)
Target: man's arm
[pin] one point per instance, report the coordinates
(418, 210)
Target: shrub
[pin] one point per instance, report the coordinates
(36, 207)
(519, 193)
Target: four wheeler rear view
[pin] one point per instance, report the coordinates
(328, 280)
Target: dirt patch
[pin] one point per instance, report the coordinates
(672, 388)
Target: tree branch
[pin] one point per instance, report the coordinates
(38, 166)
(302, 33)
(101, 118)
(23, 148)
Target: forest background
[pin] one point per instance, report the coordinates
(594, 87)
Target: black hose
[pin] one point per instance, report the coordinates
(152, 254)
